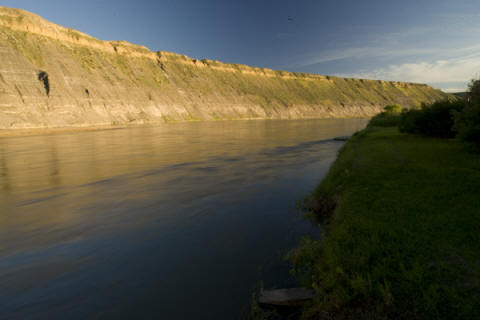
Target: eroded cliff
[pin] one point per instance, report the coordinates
(51, 76)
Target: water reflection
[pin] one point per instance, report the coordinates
(154, 222)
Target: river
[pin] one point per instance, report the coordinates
(178, 221)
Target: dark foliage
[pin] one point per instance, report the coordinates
(467, 122)
(322, 205)
(434, 120)
(43, 76)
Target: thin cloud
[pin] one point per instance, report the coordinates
(362, 53)
(376, 52)
(420, 42)
(451, 90)
(375, 44)
(414, 54)
(459, 70)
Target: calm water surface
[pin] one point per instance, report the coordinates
(180, 221)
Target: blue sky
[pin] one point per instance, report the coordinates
(427, 41)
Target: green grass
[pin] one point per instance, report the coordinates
(402, 215)
(25, 44)
(86, 57)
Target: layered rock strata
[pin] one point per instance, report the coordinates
(51, 76)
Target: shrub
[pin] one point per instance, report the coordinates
(321, 205)
(385, 119)
(410, 121)
(467, 122)
(434, 120)
(43, 76)
(393, 108)
(389, 118)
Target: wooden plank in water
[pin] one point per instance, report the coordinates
(286, 297)
(343, 138)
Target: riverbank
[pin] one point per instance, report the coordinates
(403, 231)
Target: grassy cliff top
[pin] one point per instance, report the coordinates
(24, 21)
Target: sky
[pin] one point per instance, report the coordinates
(425, 41)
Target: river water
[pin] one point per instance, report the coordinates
(179, 221)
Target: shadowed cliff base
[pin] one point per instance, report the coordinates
(53, 76)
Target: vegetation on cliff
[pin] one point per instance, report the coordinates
(127, 83)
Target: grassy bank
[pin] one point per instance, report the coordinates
(402, 214)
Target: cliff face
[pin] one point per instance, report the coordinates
(51, 76)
